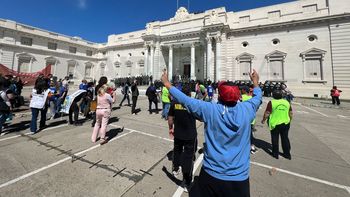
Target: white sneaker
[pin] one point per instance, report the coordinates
(177, 173)
(186, 187)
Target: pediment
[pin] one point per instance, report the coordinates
(276, 54)
(313, 51)
(245, 56)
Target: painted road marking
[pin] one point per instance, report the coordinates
(56, 163)
(347, 188)
(312, 110)
(28, 133)
(302, 112)
(341, 116)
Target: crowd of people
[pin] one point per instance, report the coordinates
(229, 119)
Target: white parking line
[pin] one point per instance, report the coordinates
(341, 116)
(198, 162)
(56, 163)
(28, 133)
(312, 110)
(347, 188)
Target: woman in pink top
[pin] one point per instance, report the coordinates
(103, 113)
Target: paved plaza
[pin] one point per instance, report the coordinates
(62, 161)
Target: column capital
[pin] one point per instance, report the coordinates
(218, 38)
(208, 39)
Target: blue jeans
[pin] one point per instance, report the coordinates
(35, 114)
(166, 107)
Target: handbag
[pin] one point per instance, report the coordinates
(93, 105)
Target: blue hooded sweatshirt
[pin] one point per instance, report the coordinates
(227, 134)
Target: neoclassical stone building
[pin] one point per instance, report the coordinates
(304, 43)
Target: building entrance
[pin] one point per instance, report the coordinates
(187, 70)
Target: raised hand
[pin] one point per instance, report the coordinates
(254, 76)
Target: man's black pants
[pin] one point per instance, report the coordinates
(282, 130)
(335, 99)
(134, 102)
(73, 109)
(184, 151)
(150, 101)
(210, 186)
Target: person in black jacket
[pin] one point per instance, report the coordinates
(151, 93)
(134, 95)
(125, 92)
(182, 126)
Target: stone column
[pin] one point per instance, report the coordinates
(146, 60)
(218, 59)
(209, 48)
(150, 70)
(170, 69)
(193, 61)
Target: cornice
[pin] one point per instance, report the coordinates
(292, 23)
(51, 52)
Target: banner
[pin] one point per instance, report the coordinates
(69, 100)
(27, 78)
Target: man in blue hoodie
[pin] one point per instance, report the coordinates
(225, 170)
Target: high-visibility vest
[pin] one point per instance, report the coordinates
(246, 97)
(165, 95)
(280, 113)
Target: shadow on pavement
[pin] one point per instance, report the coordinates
(113, 133)
(171, 177)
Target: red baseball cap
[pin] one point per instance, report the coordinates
(228, 92)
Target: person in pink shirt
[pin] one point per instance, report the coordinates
(103, 113)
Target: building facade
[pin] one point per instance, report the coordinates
(304, 43)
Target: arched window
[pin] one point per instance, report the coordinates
(88, 70)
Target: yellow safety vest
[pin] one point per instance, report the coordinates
(279, 113)
(246, 97)
(165, 95)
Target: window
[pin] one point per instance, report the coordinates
(52, 46)
(275, 41)
(26, 41)
(72, 50)
(71, 69)
(276, 69)
(312, 60)
(313, 69)
(117, 64)
(88, 70)
(245, 44)
(245, 65)
(244, 19)
(88, 53)
(103, 68)
(312, 38)
(275, 63)
(23, 64)
(128, 63)
(141, 63)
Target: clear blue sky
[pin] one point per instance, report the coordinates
(94, 20)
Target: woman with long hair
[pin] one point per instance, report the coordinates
(38, 103)
(103, 113)
(103, 81)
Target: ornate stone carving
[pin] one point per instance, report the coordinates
(181, 14)
(149, 28)
(213, 18)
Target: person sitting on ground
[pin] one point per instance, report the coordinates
(5, 104)
(226, 164)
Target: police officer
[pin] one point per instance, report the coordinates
(279, 114)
